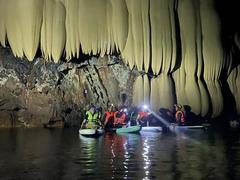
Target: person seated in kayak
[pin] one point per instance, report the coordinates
(91, 119)
(99, 114)
(120, 118)
(143, 116)
(133, 120)
(109, 117)
(180, 115)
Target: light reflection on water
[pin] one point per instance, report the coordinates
(63, 154)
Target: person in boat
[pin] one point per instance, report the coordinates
(99, 113)
(109, 117)
(139, 116)
(91, 119)
(133, 119)
(180, 115)
(120, 118)
(143, 117)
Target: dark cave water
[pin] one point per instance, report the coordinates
(63, 154)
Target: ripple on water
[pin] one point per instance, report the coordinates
(62, 154)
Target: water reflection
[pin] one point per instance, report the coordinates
(146, 159)
(62, 154)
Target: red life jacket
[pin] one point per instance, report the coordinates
(108, 115)
(142, 114)
(121, 119)
(180, 113)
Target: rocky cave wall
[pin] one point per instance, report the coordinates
(40, 93)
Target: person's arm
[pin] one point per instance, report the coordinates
(84, 121)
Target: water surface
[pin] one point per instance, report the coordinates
(63, 154)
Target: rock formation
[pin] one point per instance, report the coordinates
(158, 52)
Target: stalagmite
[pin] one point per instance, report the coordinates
(163, 38)
(138, 91)
(53, 30)
(2, 23)
(24, 37)
(212, 45)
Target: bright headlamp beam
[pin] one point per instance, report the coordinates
(145, 106)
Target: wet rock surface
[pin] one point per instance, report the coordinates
(40, 93)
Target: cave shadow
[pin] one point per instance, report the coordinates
(167, 115)
(192, 118)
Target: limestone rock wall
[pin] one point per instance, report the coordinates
(38, 93)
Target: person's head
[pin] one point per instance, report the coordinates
(92, 109)
(111, 108)
(177, 107)
(99, 109)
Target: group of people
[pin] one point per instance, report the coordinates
(114, 117)
(117, 117)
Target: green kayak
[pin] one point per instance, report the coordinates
(130, 129)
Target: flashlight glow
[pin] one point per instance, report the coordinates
(145, 106)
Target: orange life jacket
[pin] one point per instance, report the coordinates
(181, 113)
(121, 119)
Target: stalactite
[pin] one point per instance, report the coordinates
(141, 31)
(138, 91)
(146, 90)
(129, 50)
(190, 29)
(234, 84)
(214, 89)
(2, 23)
(162, 93)
(205, 103)
(24, 37)
(53, 30)
(190, 91)
(95, 37)
(137, 46)
(146, 34)
(163, 39)
(179, 77)
(154, 95)
(193, 95)
(212, 45)
(72, 47)
(119, 23)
